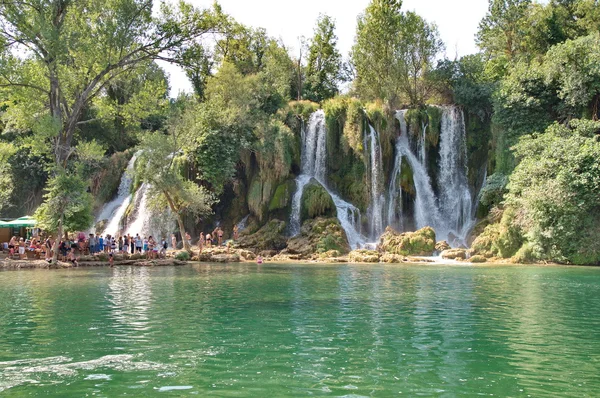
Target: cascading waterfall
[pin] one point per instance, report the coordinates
(313, 165)
(114, 210)
(376, 208)
(394, 211)
(451, 212)
(456, 204)
(142, 220)
(426, 210)
(423, 144)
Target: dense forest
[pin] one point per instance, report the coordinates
(82, 93)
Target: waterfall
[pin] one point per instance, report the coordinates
(376, 207)
(456, 204)
(394, 211)
(142, 220)
(423, 144)
(114, 210)
(450, 213)
(426, 210)
(313, 165)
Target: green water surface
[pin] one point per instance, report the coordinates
(301, 330)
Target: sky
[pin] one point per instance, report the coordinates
(457, 22)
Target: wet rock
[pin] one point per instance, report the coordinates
(441, 246)
(454, 254)
(418, 243)
(319, 235)
(270, 237)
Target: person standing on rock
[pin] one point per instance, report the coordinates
(208, 240)
(235, 232)
(173, 242)
(163, 250)
(201, 241)
(220, 235)
(138, 243)
(188, 238)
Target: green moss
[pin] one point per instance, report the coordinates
(377, 116)
(255, 197)
(434, 125)
(418, 243)
(406, 178)
(316, 202)
(354, 127)
(282, 196)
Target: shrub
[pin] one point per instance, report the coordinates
(182, 256)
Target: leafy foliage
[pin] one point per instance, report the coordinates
(67, 205)
(555, 188)
(323, 72)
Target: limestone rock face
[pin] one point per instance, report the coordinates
(454, 254)
(418, 243)
(270, 237)
(319, 235)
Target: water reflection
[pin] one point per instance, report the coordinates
(289, 330)
(129, 296)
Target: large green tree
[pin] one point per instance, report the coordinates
(168, 188)
(60, 55)
(393, 53)
(323, 69)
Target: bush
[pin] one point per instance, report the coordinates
(183, 256)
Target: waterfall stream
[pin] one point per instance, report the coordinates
(376, 208)
(114, 210)
(314, 166)
(450, 213)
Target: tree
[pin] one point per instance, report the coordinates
(323, 72)
(168, 189)
(575, 67)
(502, 30)
(554, 192)
(67, 207)
(71, 51)
(392, 54)
(374, 54)
(81, 47)
(420, 43)
(6, 180)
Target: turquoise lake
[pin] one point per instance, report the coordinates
(248, 330)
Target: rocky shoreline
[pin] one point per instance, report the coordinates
(321, 240)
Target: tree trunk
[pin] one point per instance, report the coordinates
(186, 244)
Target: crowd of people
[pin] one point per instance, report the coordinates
(73, 246)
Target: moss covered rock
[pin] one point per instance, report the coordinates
(363, 256)
(320, 235)
(316, 202)
(282, 197)
(454, 254)
(418, 243)
(270, 237)
(441, 246)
